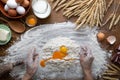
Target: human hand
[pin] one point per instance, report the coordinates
(31, 64)
(86, 59)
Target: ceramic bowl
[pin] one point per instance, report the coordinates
(16, 17)
(44, 14)
(5, 27)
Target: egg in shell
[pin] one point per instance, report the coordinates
(12, 12)
(6, 8)
(19, 1)
(4, 1)
(25, 3)
(101, 36)
(20, 10)
(12, 4)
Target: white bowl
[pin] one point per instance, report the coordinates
(41, 8)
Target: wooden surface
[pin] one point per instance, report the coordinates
(57, 17)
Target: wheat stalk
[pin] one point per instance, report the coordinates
(90, 12)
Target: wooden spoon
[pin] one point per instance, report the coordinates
(15, 25)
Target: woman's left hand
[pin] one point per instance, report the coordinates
(31, 64)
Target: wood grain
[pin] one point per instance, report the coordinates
(57, 17)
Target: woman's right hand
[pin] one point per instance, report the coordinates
(86, 60)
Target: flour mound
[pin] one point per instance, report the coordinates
(57, 69)
(60, 69)
(46, 39)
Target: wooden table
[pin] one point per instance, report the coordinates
(57, 17)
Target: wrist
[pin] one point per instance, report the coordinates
(26, 77)
(87, 72)
(88, 75)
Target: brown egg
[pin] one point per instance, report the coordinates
(12, 12)
(4, 1)
(19, 1)
(101, 36)
(25, 3)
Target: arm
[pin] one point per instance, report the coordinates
(86, 59)
(31, 65)
(88, 75)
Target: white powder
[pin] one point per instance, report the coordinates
(45, 39)
(54, 45)
(67, 70)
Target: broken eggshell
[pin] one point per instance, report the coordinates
(116, 57)
(111, 39)
(119, 48)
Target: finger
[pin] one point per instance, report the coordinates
(89, 53)
(89, 50)
(18, 63)
(34, 56)
(30, 55)
(86, 48)
(89, 56)
(82, 57)
(82, 51)
(91, 59)
(34, 51)
(36, 61)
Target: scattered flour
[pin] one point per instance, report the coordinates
(48, 38)
(67, 70)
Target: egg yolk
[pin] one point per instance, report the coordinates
(42, 63)
(58, 55)
(63, 49)
(31, 21)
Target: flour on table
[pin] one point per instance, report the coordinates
(48, 38)
(57, 69)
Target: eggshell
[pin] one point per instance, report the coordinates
(25, 3)
(111, 39)
(20, 10)
(11, 4)
(119, 47)
(6, 7)
(12, 12)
